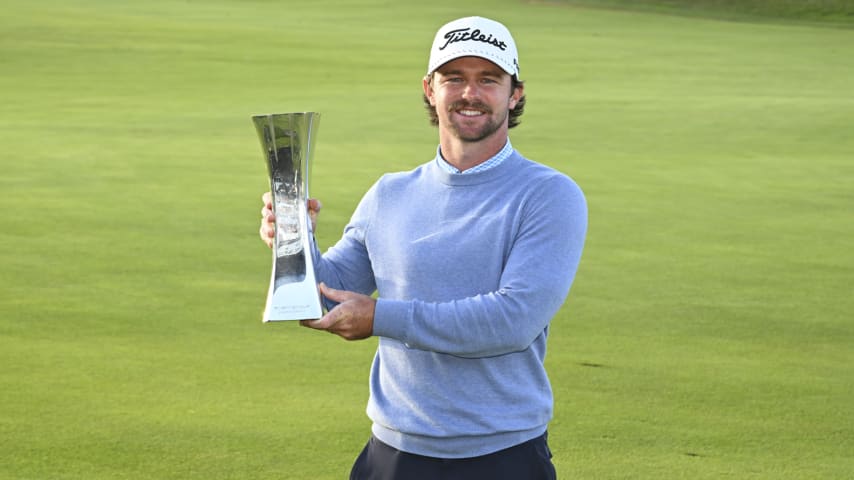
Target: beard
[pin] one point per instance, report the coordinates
(488, 128)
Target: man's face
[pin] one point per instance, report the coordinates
(472, 98)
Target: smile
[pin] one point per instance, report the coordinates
(469, 109)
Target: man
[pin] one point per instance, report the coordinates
(471, 255)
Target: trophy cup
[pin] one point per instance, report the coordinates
(287, 140)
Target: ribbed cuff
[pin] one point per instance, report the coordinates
(391, 318)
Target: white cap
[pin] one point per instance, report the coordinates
(475, 37)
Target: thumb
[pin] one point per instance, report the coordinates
(337, 296)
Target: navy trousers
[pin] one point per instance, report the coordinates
(527, 461)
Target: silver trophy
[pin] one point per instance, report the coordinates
(287, 140)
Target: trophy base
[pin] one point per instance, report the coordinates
(290, 300)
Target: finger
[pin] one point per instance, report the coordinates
(327, 322)
(267, 232)
(267, 214)
(267, 198)
(333, 294)
(267, 235)
(315, 324)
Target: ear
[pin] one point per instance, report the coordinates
(428, 89)
(517, 93)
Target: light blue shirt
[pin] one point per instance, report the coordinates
(493, 161)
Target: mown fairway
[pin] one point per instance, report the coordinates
(709, 332)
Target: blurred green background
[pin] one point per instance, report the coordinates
(709, 331)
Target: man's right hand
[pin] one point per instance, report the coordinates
(268, 218)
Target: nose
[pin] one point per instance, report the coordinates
(471, 90)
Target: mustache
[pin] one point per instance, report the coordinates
(465, 104)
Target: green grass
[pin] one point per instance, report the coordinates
(708, 334)
(838, 13)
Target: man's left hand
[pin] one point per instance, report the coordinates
(351, 319)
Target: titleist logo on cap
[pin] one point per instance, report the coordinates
(474, 37)
(469, 35)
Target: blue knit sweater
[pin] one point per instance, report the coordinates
(469, 271)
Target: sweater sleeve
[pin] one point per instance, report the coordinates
(534, 283)
(347, 265)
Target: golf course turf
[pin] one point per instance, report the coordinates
(709, 330)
